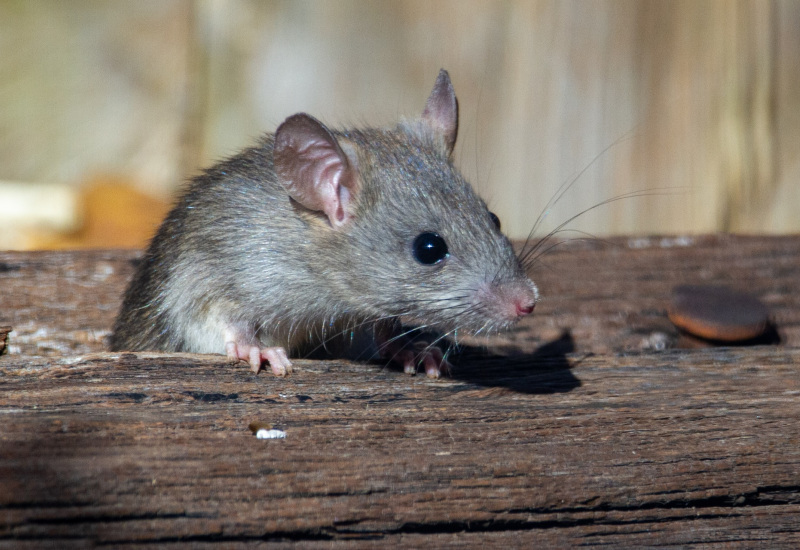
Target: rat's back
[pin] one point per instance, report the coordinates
(197, 273)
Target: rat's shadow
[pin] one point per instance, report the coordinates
(546, 370)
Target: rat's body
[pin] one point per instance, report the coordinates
(312, 232)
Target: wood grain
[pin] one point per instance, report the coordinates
(4, 331)
(574, 430)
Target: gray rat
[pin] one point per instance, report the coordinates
(314, 233)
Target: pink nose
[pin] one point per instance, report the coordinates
(525, 309)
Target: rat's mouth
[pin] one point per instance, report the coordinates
(472, 326)
(490, 308)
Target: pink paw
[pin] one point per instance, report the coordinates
(276, 357)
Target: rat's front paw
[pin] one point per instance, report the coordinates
(399, 349)
(421, 353)
(276, 357)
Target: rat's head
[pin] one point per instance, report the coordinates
(402, 234)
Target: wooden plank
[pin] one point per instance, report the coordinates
(587, 438)
(611, 295)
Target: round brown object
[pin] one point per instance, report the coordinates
(717, 313)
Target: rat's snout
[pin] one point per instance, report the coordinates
(510, 301)
(525, 307)
(520, 302)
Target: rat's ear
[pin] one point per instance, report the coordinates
(441, 110)
(312, 166)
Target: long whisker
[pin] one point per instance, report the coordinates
(531, 258)
(662, 191)
(564, 187)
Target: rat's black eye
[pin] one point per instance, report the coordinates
(430, 248)
(495, 219)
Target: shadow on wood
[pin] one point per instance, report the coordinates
(546, 370)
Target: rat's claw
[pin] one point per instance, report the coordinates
(276, 357)
(232, 352)
(278, 360)
(431, 359)
(408, 359)
(410, 355)
(434, 362)
(254, 358)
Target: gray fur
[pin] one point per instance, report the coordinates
(237, 251)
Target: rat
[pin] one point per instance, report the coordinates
(315, 233)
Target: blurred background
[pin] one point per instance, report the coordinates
(107, 107)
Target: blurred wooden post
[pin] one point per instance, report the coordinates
(694, 96)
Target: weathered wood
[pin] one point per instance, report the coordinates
(584, 437)
(4, 338)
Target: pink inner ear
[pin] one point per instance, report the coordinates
(313, 168)
(441, 110)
